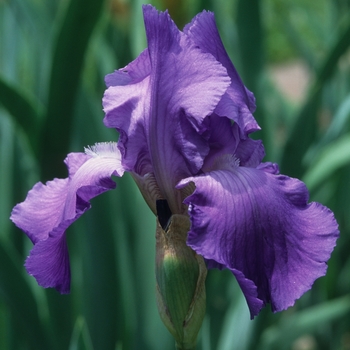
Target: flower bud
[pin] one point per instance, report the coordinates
(180, 275)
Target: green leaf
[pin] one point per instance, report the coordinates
(80, 336)
(25, 111)
(334, 156)
(249, 32)
(305, 127)
(335, 129)
(20, 299)
(237, 320)
(68, 60)
(282, 335)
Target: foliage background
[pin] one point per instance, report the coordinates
(53, 59)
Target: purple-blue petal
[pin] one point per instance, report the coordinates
(159, 108)
(48, 261)
(260, 224)
(127, 110)
(220, 138)
(133, 73)
(224, 138)
(186, 85)
(50, 209)
(249, 152)
(126, 104)
(238, 103)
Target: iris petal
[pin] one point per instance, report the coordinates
(133, 73)
(126, 104)
(127, 109)
(257, 223)
(238, 103)
(50, 209)
(158, 104)
(186, 85)
(225, 138)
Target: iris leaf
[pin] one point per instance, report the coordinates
(67, 65)
(333, 156)
(304, 322)
(24, 110)
(19, 297)
(335, 129)
(305, 128)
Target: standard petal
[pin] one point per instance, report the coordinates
(50, 209)
(257, 223)
(127, 110)
(238, 103)
(186, 77)
(133, 73)
(158, 104)
(185, 86)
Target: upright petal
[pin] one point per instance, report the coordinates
(126, 104)
(50, 209)
(259, 224)
(186, 85)
(238, 103)
(133, 73)
(127, 110)
(158, 104)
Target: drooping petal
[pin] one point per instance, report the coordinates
(48, 261)
(257, 223)
(238, 103)
(50, 209)
(248, 287)
(39, 213)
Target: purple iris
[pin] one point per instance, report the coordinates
(184, 118)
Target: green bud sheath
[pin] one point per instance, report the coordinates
(180, 275)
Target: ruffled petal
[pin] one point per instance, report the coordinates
(158, 104)
(42, 210)
(50, 209)
(126, 104)
(133, 73)
(257, 223)
(127, 110)
(186, 85)
(238, 103)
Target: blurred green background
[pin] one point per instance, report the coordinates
(293, 54)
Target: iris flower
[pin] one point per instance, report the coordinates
(184, 119)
